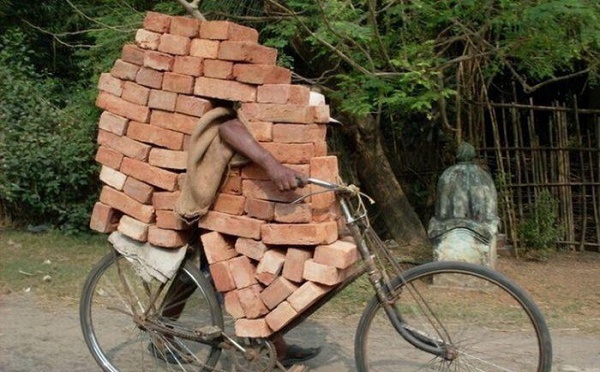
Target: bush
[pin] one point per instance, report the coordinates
(539, 231)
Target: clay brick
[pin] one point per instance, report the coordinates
(174, 44)
(135, 93)
(178, 83)
(299, 133)
(133, 228)
(261, 74)
(124, 70)
(138, 190)
(145, 172)
(283, 94)
(251, 302)
(109, 157)
(254, 249)
(149, 78)
(246, 51)
(113, 123)
(320, 148)
(292, 213)
(260, 209)
(165, 200)
(281, 113)
(321, 114)
(215, 68)
(194, 106)
(232, 184)
(281, 316)
(166, 238)
(110, 84)
(267, 190)
(231, 300)
(261, 130)
(174, 121)
(103, 219)
(242, 271)
(265, 278)
(272, 262)
(322, 274)
(147, 39)
(306, 295)
(252, 328)
(224, 30)
(188, 65)
(157, 22)
(324, 168)
(158, 61)
(228, 203)
(127, 205)
(221, 276)
(156, 135)
(224, 89)
(300, 234)
(293, 268)
(113, 178)
(254, 172)
(339, 254)
(160, 99)
(277, 292)
(184, 26)
(133, 54)
(204, 48)
(217, 247)
(171, 220)
(124, 145)
(168, 159)
(291, 153)
(233, 225)
(120, 107)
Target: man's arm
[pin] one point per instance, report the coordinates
(235, 133)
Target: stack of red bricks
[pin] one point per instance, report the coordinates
(271, 259)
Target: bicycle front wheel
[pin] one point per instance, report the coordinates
(119, 313)
(482, 318)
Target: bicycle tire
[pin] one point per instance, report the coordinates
(492, 323)
(114, 339)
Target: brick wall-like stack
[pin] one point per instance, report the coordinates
(269, 258)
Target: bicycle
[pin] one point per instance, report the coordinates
(444, 316)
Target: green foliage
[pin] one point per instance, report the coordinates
(539, 231)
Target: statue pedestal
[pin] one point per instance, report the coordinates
(465, 245)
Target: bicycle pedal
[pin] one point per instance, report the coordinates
(209, 332)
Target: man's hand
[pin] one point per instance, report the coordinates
(285, 178)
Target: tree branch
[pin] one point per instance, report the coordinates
(192, 8)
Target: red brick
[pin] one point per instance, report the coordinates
(174, 44)
(232, 184)
(254, 249)
(283, 94)
(300, 234)
(261, 130)
(251, 302)
(104, 218)
(184, 26)
(260, 209)
(191, 105)
(306, 295)
(123, 108)
(133, 228)
(254, 172)
(145, 172)
(110, 84)
(217, 247)
(293, 268)
(321, 113)
(166, 238)
(322, 274)
(135, 93)
(188, 65)
(215, 68)
(158, 61)
(265, 278)
(299, 133)
(168, 159)
(339, 254)
(293, 213)
(113, 178)
(127, 205)
(160, 99)
(261, 74)
(224, 89)
(174, 121)
(233, 225)
(243, 271)
(149, 77)
(166, 219)
(113, 123)
(277, 292)
(281, 316)
(157, 22)
(109, 157)
(252, 328)
(324, 168)
(224, 30)
(133, 54)
(156, 135)
(291, 153)
(221, 276)
(124, 145)
(267, 190)
(204, 48)
(272, 262)
(147, 39)
(282, 113)
(320, 148)
(231, 300)
(246, 51)
(230, 204)
(138, 190)
(124, 70)
(165, 200)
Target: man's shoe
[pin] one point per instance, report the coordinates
(296, 354)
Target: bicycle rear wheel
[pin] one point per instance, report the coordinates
(116, 303)
(488, 322)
